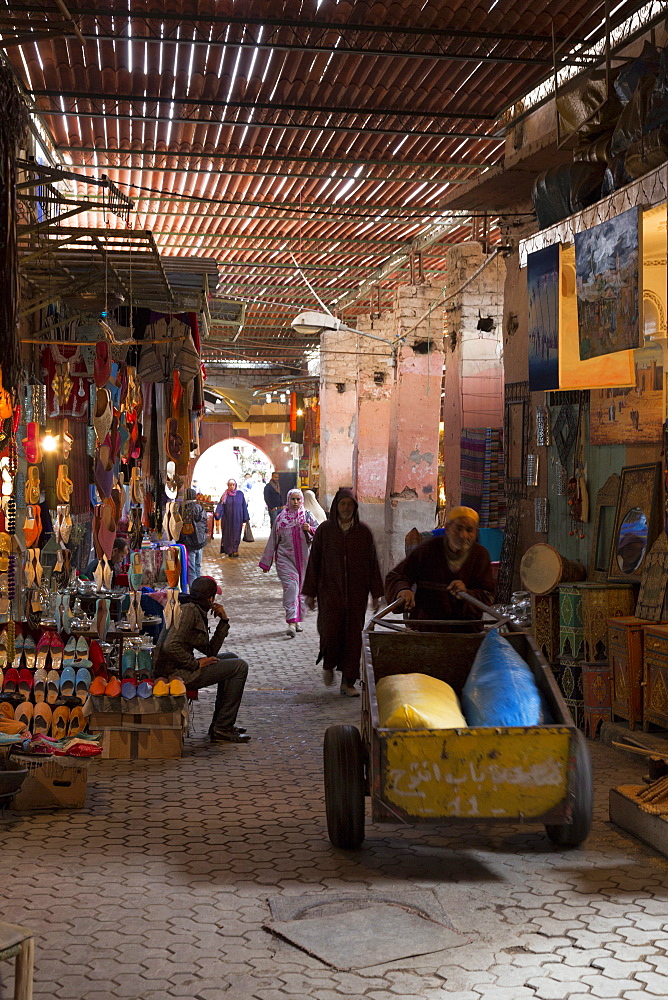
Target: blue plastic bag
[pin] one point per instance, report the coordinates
(500, 689)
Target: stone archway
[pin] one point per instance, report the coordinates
(232, 457)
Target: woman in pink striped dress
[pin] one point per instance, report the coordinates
(288, 547)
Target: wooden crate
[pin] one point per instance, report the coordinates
(52, 785)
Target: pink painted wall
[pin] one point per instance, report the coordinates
(373, 439)
(414, 427)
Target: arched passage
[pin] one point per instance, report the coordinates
(233, 458)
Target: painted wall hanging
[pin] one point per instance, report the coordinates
(607, 280)
(543, 268)
(631, 414)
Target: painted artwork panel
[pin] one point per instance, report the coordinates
(608, 371)
(543, 294)
(631, 415)
(607, 277)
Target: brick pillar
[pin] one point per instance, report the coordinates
(412, 485)
(338, 412)
(473, 357)
(374, 409)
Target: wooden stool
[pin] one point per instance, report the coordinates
(18, 943)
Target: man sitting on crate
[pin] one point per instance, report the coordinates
(174, 656)
(432, 576)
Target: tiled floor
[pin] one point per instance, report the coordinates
(159, 887)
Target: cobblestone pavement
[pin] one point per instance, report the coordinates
(159, 887)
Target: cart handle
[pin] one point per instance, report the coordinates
(396, 605)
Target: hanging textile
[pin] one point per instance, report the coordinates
(472, 467)
(13, 127)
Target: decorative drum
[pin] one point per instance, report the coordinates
(655, 679)
(625, 649)
(543, 568)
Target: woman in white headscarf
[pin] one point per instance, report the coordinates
(288, 546)
(313, 507)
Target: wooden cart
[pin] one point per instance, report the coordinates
(536, 774)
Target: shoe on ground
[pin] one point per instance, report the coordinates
(298, 627)
(290, 632)
(237, 729)
(328, 677)
(230, 736)
(349, 691)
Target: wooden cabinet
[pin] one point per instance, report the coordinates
(655, 677)
(625, 649)
(545, 616)
(596, 696)
(584, 610)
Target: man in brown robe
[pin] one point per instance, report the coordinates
(442, 568)
(342, 571)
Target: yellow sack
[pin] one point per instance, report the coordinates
(417, 701)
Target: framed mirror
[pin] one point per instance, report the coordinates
(636, 522)
(604, 525)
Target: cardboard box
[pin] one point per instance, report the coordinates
(52, 786)
(141, 743)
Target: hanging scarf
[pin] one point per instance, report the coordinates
(292, 518)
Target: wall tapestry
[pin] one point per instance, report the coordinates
(607, 277)
(632, 414)
(543, 292)
(607, 371)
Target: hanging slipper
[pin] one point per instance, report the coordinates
(32, 448)
(103, 414)
(39, 685)
(59, 721)
(102, 364)
(173, 440)
(52, 686)
(76, 723)
(106, 534)
(66, 524)
(57, 648)
(67, 440)
(67, 682)
(41, 720)
(64, 484)
(83, 682)
(32, 526)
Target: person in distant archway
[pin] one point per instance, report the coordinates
(288, 545)
(232, 511)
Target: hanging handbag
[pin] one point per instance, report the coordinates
(248, 534)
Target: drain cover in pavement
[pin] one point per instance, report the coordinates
(368, 936)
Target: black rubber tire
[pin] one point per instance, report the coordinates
(344, 786)
(573, 834)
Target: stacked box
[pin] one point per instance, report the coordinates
(52, 785)
(142, 737)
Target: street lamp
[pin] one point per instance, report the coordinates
(310, 324)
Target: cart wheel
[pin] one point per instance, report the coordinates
(572, 834)
(344, 786)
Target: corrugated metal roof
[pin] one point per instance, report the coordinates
(261, 132)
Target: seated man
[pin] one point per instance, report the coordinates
(174, 657)
(442, 568)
